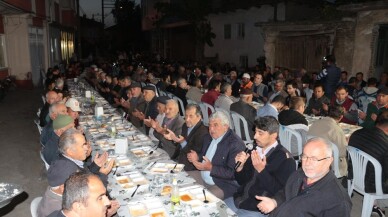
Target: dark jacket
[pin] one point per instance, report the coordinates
(324, 198)
(223, 161)
(150, 110)
(280, 165)
(50, 151)
(330, 77)
(138, 104)
(175, 126)
(57, 213)
(374, 142)
(236, 88)
(248, 112)
(316, 104)
(43, 113)
(47, 133)
(93, 168)
(290, 116)
(194, 142)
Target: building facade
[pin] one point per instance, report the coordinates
(34, 35)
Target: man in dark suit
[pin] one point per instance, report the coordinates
(150, 110)
(192, 136)
(173, 122)
(244, 108)
(235, 84)
(216, 159)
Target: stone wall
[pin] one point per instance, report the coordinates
(365, 42)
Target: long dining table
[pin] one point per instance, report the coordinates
(142, 176)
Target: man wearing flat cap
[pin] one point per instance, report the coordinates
(74, 149)
(136, 103)
(52, 198)
(60, 125)
(150, 110)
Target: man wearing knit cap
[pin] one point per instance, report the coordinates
(136, 103)
(60, 125)
(56, 177)
(48, 130)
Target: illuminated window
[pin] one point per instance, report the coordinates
(67, 45)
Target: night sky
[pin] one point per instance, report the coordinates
(91, 7)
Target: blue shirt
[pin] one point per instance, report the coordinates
(210, 154)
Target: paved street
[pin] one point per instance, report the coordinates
(20, 162)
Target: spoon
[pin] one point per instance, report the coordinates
(137, 187)
(204, 194)
(172, 171)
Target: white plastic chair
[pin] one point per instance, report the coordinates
(162, 93)
(38, 113)
(34, 206)
(36, 121)
(181, 106)
(231, 125)
(44, 160)
(360, 160)
(335, 165)
(286, 136)
(237, 120)
(44, 100)
(205, 114)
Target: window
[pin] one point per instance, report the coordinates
(227, 31)
(3, 57)
(244, 61)
(240, 30)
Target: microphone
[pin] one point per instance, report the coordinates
(248, 148)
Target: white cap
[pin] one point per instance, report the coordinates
(246, 75)
(73, 104)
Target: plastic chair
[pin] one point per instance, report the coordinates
(44, 160)
(287, 138)
(360, 160)
(231, 125)
(335, 165)
(44, 99)
(162, 93)
(181, 106)
(38, 113)
(34, 206)
(37, 123)
(237, 120)
(205, 108)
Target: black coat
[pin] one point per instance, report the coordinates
(266, 183)
(248, 112)
(194, 142)
(324, 198)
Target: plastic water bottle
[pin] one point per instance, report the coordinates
(175, 198)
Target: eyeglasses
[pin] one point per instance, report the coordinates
(313, 159)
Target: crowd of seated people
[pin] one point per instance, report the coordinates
(210, 153)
